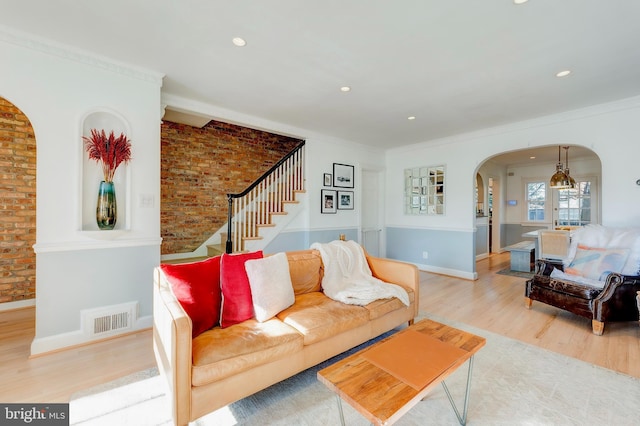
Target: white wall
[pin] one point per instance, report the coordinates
(56, 87)
(611, 130)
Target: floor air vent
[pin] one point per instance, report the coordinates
(109, 320)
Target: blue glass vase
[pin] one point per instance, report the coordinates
(106, 210)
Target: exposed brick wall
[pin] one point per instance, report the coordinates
(17, 205)
(199, 167)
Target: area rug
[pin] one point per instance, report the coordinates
(513, 384)
(512, 273)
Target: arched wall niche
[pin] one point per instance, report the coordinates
(91, 176)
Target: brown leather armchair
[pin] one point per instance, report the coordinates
(616, 301)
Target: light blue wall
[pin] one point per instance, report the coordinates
(92, 278)
(447, 250)
(482, 239)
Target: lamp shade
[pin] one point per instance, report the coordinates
(572, 181)
(559, 180)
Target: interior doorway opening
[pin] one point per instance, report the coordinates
(18, 206)
(506, 206)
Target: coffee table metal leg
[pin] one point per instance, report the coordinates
(462, 419)
(340, 410)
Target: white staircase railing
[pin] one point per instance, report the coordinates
(253, 208)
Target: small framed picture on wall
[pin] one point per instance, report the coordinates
(345, 200)
(327, 179)
(328, 202)
(342, 175)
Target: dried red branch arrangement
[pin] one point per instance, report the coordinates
(109, 150)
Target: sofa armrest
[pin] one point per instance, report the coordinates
(546, 266)
(397, 272)
(617, 299)
(172, 346)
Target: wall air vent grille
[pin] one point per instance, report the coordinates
(109, 320)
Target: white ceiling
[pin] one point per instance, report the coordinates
(456, 65)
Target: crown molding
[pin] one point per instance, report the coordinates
(517, 126)
(42, 45)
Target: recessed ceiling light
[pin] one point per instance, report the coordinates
(532, 157)
(519, 1)
(345, 89)
(411, 117)
(239, 41)
(563, 73)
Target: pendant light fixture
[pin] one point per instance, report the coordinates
(559, 180)
(572, 181)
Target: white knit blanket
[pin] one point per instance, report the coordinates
(347, 277)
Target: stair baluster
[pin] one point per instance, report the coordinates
(266, 196)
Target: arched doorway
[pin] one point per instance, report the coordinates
(18, 206)
(512, 172)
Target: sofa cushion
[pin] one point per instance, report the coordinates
(381, 307)
(237, 305)
(306, 270)
(196, 285)
(318, 317)
(223, 352)
(270, 283)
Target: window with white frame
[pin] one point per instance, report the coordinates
(575, 205)
(536, 201)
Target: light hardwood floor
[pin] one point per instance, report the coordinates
(493, 302)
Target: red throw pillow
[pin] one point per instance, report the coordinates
(237, 304)
(197, 288)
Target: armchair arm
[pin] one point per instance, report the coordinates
(397, 272)
(172, 346)
(546, 266)
(617, 301)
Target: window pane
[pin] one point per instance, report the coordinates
(574, 205)
(536, 199)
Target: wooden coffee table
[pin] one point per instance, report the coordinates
(385, 380)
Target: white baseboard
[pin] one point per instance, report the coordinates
(446, 271)
(482, 256)
(19, 304)
(42, 345)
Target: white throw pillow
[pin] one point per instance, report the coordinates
(556, 273)
(270, 283)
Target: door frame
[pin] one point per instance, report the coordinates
(379, 173)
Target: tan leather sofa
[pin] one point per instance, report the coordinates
(221, 366)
